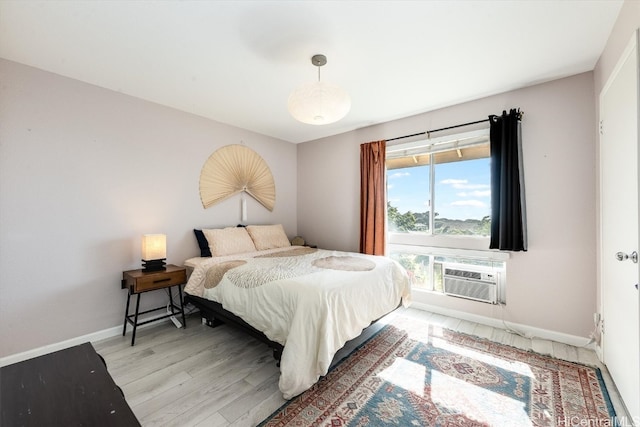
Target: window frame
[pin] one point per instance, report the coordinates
(433, 146)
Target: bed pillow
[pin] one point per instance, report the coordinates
(203, 244)
(268, 236)
(229, 241)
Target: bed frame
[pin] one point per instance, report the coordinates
(215, 315)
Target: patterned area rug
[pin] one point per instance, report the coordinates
(437, 377)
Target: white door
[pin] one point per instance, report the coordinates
(619, 227)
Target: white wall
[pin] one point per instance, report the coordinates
(628, 21)
(553, 285)
(84, 172)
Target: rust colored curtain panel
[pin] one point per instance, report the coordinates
(372, 198)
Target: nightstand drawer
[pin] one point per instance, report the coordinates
(158, 281)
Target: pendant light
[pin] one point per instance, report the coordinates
(319, 103)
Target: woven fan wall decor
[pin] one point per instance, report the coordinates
(233, 169)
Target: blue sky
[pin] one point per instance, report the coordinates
(462, 189)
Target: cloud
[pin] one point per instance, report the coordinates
(398, 175)
(463, 184)
(477, 193)
(471, 203)
(471, 186)
(454, 181)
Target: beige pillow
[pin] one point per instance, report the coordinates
(229, 241)
(268, 236)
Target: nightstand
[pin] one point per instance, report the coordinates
(138, 282)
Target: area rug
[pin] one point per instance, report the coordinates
(429, 376)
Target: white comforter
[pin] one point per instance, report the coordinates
(312, 303)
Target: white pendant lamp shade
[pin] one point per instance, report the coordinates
(319, 103)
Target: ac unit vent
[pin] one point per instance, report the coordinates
(463, 273)
(472, 282)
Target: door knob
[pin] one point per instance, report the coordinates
(621, 256)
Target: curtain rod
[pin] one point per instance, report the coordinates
(428, 132)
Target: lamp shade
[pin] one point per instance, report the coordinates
(154, 246)
(319, 103)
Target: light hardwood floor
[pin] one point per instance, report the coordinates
(202, 376)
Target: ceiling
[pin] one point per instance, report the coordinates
(237, 61)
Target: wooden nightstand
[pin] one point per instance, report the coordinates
(138, 282)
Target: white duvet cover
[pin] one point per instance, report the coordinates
(312, 301)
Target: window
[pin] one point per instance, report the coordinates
(440, 186)
(439, 208)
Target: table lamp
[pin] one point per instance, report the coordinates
(154, 252)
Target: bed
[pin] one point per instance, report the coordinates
(306, 303)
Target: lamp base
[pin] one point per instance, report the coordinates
(153, 265)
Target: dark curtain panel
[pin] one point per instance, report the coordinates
(508, 215)
(372, 198)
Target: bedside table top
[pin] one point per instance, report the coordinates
(139, 273)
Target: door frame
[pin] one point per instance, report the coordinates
(634, 43)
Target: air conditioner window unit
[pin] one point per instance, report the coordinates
(471, 281)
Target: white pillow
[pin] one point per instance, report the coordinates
(268, 236)
(229, 241)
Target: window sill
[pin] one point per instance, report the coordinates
(485, 254)
(430, 292)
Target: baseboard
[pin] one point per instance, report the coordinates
(489, 321)
(40, 351)
(92, 337)
(527, 330)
